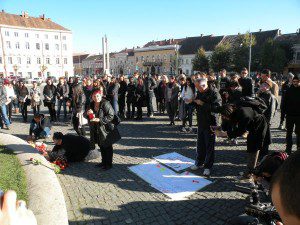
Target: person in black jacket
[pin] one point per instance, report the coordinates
(243, 119)
(140, 98)
(292, 109)
(234, 93)
(130, 99)
(88, 91)
(246, 83)
(208, 101)
(69, 147)
(24, 100)
(62, 94)
(70, 84)
(49, 98)
(40, 127)
(122, 96)
(287, 84)
(78, 118)
(102, 130)
(150, 84)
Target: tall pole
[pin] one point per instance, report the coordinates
(103, 55)
(107, 57)
(250, 48)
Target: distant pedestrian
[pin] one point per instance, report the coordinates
(246, 83)
(171, 96)
(150, 85)
(35, 96)
(49, 98)
(62, 95)
(24, 100)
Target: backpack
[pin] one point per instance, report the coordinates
(256, 103)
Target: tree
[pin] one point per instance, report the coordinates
(240, 52)
(221, 57)
(201, 62)
(275, 56)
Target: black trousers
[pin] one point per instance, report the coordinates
(205, 148)
(291, 122)
(36, 109)
(107, 156)
(149, 97)
(23, 106)
(130, 110)
(52, 112)
(122, 106)
(79, 131)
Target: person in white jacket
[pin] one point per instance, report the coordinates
(188, 95)
(11, 96)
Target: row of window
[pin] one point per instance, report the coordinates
(37, 46)
(164, 57)
(16, 34)
(28, 60)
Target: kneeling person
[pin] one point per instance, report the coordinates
(40, 127)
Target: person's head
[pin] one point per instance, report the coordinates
(95, 83)
(188, 81)
(140, 80)
(172, 79)
(37, 118)
(57, 138)
(223, 73)
(296, 80)
(97, 95)
(233, 84)
(49, 81)
(234, 77)
(202, 85)
(244, 72)
(71, 80)
(89, 82)
(131, 80)
(6, 82)
(290, 77)
(61, 81)
(164, 79)
(264, 87)
(121, 78)
(265, 75)
(285, 190)
(34, 83)
(21, 83)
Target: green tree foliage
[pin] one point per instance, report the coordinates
(201, 62)
(221, 57)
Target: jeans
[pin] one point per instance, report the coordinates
(205, 152)
(149, 97)
(9, 110)
(188, 114)
(4, 115)
(115, 105)
(291, 122)
(38, 132)
(61, 102)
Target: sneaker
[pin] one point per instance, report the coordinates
(151, 115)
(280, 127)
(183, 129)
(194, 167)
(206, 172)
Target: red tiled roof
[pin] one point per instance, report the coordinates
(164, 42)
(29, 22)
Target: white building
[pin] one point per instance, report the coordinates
(122, 62)
(34, 47)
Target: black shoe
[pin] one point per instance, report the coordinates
(106, 168)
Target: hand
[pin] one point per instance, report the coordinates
(90, 111)
(198, 102)
(14, 212)
(95, 120)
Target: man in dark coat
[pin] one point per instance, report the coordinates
(150, 84)
(130, 98)
(122, 95)
(292, 109)
(70, 147)
(208, 102)
(246, 83)
(62, 94)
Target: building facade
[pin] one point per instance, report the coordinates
(122, 62)
(92, 65)
(34, 47)
(77, 62)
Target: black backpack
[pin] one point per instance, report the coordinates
(256, 103)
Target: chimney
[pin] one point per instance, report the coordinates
(279, 32)
(259, 30)
(26, 14)
(43, 17)
(201, 35)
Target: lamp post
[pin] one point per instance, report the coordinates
(250, 49)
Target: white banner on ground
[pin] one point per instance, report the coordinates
(176, 186)
(175, 161)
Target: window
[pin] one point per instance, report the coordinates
(187, 61)
(19, 60)
(47, 46)
(137, 59)
(29, 74)
(56, 37)
(17, 45)
(65, 47)
(0, 60)
(6, 33)
(56, 46)
(37, 45)
(47, 60)
(37, 35)
(27, 45)
(9, 60)
(26, 35)
(65, 61)
(187, 72)
(57, 60)
(38, 60)
(48, 74)
(64, 38)
(28, 60)
(46, 36)
(8, 44)
(16, 34)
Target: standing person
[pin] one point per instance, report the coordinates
(112, 94)
(3, 103)
(103, 131)
(15, 101)
(181, 111)
(271, 102)
(62, 95)
(35, 96)
(224, 85)
(49, 98)
(246, 83)
(24, 100)
(161, 89)
(266, 77)
(188, 96)
(78, 119)
(156, 94)
(140, 98)
(122, 96)
(208, 102)
(131, 87)
(88, 91)
(70, 84)
(171, 96)
(292, 109)
(150, 84)
(287, 84)
(11, 97)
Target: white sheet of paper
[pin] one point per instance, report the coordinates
(175, 161)
(176, 186)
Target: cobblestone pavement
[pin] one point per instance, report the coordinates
(120, 197)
